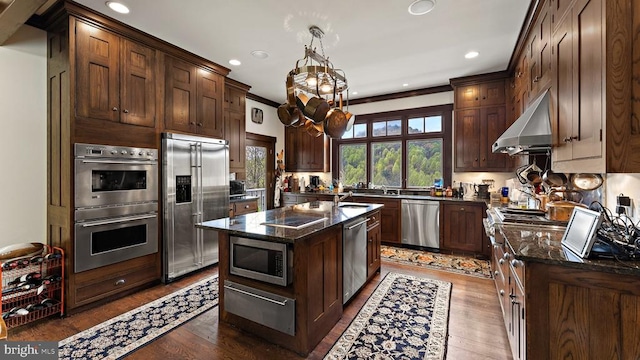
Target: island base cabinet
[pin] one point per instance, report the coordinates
(316, 290)
(581, 314)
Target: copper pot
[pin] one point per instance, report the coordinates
(561, 210)
(335, 123)
(312, 129)
(288, 114)
(314, 108)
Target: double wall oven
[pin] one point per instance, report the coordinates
(116, 204)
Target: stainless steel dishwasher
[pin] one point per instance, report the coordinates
(421, 223)
(354, 257)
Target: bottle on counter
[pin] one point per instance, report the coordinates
(449, 192)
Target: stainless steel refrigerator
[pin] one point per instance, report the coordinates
(195, 189)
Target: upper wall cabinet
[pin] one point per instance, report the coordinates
(115, 78)
(193, 99)
(594, 119)
(304, 152)
(235, 94)
(480, 118)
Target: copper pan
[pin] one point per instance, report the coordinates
(313, 129)
(288, 115)
(335, 124)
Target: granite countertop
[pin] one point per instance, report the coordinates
(532, 243)
(322, 215)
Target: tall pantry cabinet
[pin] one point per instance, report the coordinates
(106, 85)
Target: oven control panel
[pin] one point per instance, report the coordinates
(114, 152)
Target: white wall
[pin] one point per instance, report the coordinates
(627, 184)
(23, 148)
(271, 125)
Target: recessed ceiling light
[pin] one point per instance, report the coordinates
(471, 54)
(235, 62)
(405, 85)
(260, 54)
(421, 7)
(355, 93)
(118, 7)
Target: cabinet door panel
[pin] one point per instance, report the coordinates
(587, 122)
(493, 93)
(467, 96)
(462, 227)
(235, 134)
(210, 95)
(180, 96)
(562, 94)
(98, 82)
(138, 84)
(495, 123)
(467, 139)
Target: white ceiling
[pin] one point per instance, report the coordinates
(377, 43)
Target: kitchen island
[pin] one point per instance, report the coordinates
(556, 306)
(281, 270)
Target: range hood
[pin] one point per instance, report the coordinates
(531, 133)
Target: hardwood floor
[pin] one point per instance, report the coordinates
(476, 328)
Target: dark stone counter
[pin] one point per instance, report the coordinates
(290, 220)
(532, 243)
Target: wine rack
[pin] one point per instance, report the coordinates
(32, 287)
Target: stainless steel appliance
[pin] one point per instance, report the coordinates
(421, 223)
(195, 187)
(266, 261)
(236, 188)
(116, 204)
(354, 257)
(271, 310)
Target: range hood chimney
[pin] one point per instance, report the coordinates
(531, 133)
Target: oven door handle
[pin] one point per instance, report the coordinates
(119, 220)
(119, 162)
(281, 303)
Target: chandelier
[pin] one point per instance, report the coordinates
(315, 94)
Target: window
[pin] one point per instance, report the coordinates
(404, 149)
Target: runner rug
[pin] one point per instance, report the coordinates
(406, 317)
(453, 263)
(125, 333)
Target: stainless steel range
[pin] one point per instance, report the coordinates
(116, 204)
(517, 217)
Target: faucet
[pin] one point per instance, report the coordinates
(384, 189)
(337, 199)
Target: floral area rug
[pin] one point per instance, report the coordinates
(123, 334)
(459, 264)
(406, 317)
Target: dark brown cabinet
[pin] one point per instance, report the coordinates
(390, 217)
(373, 244)
(476, 130)
(539, 54)
(303, 152)
(243, 207)
(193, 99)
(235, 94)
(115, 78)
(461, 227)
(480, 118)
(578, 96)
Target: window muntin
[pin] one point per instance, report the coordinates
(387, 128)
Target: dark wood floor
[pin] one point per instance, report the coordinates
(476, 328)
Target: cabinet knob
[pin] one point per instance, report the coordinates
(506, 256)
(246, 206)
(120, 282)
(501, 292)
(501, 261)
(495, 273)
(515, 263)
(461, 209)
(536, 79)
(476, 98)
(114, 108)
(192, 123)
(125, 111)
(199, 124)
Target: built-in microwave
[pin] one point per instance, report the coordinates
(266, 261)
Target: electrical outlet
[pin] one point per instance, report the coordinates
(624, 205)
